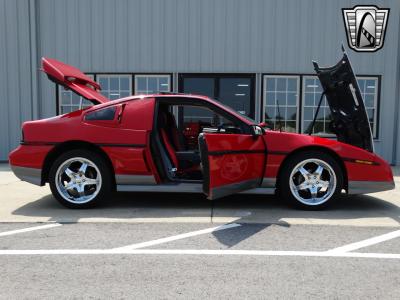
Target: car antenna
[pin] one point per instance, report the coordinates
(279, 115)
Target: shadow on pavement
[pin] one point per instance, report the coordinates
(154, 205)
(260, 210)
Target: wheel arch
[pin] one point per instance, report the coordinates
(326, 150)
(68, 146)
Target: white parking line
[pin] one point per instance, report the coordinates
(11, 232)
(366, 243)
(176, 237)
(199, 252)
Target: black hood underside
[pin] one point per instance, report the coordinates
(349, 117)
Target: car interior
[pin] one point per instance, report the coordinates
(175, 144)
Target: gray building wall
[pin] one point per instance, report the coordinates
(177, 36)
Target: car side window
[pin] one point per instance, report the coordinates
(105, 114)
(192, 120)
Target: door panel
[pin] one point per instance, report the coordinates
(231, 163)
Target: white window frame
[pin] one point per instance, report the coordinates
(303, 94)
(274, 76)
(137, 76)
(376, 95)
(62, 90)
(113, 75)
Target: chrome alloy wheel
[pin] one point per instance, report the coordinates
(78, 180)
(312, 181)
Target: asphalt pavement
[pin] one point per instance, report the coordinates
(157, 246)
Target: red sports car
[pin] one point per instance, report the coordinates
(153, 143)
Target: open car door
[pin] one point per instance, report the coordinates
(231, 163)
(73, 79)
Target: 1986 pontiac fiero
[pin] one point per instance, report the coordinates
(152, 143)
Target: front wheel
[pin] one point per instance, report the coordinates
(311, 180)
(80, 179)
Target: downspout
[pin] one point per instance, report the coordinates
(396, 139)
(33, 60)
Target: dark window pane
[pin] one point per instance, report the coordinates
(281, 99)
(370, 113)
(124, 83)
(114, 83)
(66, 98)
(369, 100)
(152, 82)
(163, 84)
(291, 99)
(361, 84)
(235, 92)
(370, 86)
(270, 112)
(309, 99)
(292, 84)
(201, 86)
(103, 83)
(270, 98)
(123, 94)
(319, 88)
(141, 84)
(86, 103)
(114, 95)
(310, 85)
(76, 99)
(270, 84)
(65, 109)
(291, 113)
(281, 84)
(308, 113)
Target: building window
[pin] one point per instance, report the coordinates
(70, 101)
(234, 90)
(115, 86)
(152, 84)
(369, 91)
(312, 91)
(281, 102)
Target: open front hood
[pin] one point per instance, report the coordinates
(73, 79)
(350, 119)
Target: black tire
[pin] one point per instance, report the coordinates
(284, 187)
(106, 178)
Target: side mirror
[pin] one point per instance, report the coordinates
(257, 131)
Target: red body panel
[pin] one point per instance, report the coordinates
(282, 144)
(128, 160)
(125, 146)
(234, 159)
(73, 79)
(29, 156)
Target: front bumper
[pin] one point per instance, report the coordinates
(30, 175)
(366, 187)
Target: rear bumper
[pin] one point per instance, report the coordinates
(30, 175)
(366, 187)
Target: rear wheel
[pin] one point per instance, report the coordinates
(311, 180)
(80, 179)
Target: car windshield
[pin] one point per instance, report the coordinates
(235, 112)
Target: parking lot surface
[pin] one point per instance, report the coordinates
(183, 246)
